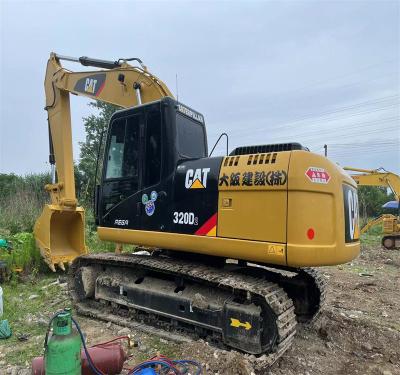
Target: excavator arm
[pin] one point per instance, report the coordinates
(378, 221)
(60, 230)
(377, 177)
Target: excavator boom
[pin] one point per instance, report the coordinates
(60, 231)
(376, 177)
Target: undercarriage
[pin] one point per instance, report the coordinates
(391, 242)
(248, 307)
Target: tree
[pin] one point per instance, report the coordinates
(371, 199)
(95, 128)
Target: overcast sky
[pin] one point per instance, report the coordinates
(315, 72)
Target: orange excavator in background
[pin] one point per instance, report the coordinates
(390, 223)
(231, 238)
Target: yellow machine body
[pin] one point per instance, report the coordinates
(298, 222)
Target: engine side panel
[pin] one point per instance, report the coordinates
(253, 197)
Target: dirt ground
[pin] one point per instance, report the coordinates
(357, 332)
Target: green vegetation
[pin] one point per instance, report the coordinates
(373, 236)
(28, 305)
(92, 149)
(21, 201)
(168, 349)
(24, 254)
(371, 199)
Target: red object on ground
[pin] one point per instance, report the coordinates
(108, 358)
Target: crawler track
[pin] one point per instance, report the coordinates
(108, 286)
(305, 286)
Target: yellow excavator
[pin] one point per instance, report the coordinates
(229, 241)
(389, 222)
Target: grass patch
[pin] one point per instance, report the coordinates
(373, 236)
(21, 201)
(29, 316)
(95, 245)
(24, 254)
(156, 344)
(371, 239)
(359, 269)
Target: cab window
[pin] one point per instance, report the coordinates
(152, 170)
(123, 152)
(191, 138)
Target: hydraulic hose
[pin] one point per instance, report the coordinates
(91, 364)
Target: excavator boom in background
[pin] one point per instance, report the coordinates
(390, 223)
(230, 239)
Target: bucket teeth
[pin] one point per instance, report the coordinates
(51, 266)
(61, 265)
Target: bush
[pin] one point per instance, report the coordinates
(21, 201)
(24, 254)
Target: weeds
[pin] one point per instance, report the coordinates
(95, 245)
(21, 201)
(28, 306)
(24, 255)
(373, 236)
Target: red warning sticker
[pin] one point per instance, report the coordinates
(318, 175)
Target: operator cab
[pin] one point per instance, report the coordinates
(143, 148)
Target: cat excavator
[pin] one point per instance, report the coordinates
(389, 222)
(228, 241)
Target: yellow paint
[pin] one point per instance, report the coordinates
(283, 214)
(237, 323)
(255, 251)
(256, 212)
(319, 207)
(212, 232)
(197, 184)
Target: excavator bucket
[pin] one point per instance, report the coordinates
(60, 235)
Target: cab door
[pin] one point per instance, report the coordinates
(120, 198)
(155, 188)
(134, 195)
